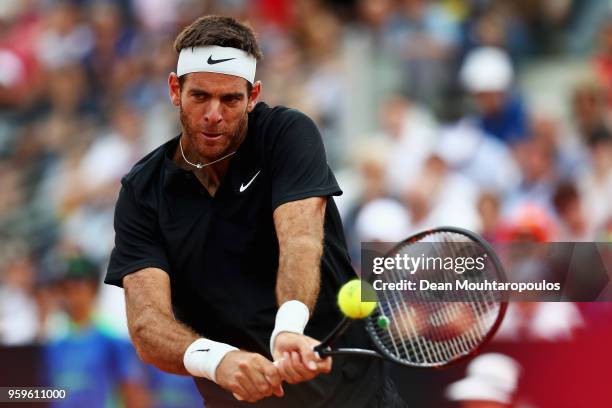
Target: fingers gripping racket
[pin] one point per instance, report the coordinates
(416, 330)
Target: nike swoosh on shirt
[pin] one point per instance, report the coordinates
(201, 350)
(243, 187)
(212, 61)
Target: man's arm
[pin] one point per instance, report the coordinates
(161, 340)
(299, 228)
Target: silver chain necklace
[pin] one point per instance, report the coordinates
(202, 165)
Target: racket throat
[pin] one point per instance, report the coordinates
(325, 348)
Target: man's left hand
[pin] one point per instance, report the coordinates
(295, 358)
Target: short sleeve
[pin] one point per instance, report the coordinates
(137, 240)
(298, 163)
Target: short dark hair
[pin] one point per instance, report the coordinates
(220, 31)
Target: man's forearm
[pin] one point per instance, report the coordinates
(299, 227)
(161, 341)
(299, 271)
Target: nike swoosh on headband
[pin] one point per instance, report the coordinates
(212, 61)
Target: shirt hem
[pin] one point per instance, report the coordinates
(116, 278)
(323, 192)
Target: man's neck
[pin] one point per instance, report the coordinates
(209, 176)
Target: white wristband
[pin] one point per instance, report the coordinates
(292, 317)
(203, 356)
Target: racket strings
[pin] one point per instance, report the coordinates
(429, 332)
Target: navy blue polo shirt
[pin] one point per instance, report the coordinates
(221, 253)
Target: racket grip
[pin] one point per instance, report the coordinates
(321, 351)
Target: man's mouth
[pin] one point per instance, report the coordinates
(209, 135)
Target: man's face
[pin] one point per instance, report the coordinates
(78, 297)
(213, 112)
(490, 103)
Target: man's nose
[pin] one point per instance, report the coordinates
(213, 113)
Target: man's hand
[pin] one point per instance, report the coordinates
(249, 376)
(295, 358)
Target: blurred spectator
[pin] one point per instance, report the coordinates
(584, 19)
(18, 311)
(412, 132)
(113, 48)
(528, 222)
(89, 198)
(486, 161)
(491, 382)
(171, 391)
(573, 224)
(19, 67)
(595, 182)
(423, 35)
(371, 186)
(13, 79)
(441, 197)
(383, 220)
(323, 92)
(66, 38)
(589, 109)
(489, 211)
(12, 194)
(157, 16)
(536, 159)
(569, 152)
(540, 321)
(94, 365)
(487, 74)
(603, 60)
(500, 25)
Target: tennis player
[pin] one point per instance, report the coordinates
(229, 245)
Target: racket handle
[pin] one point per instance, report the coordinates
(319, 351)
(322, 350)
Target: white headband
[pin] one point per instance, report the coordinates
(221, 60)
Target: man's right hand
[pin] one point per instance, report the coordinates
(249, 376)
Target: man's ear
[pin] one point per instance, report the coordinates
(174, 88)
(254, 95)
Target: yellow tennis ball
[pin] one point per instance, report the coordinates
(349, 299)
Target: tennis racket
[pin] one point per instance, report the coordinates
(425, 328)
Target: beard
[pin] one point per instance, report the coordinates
(206, 151)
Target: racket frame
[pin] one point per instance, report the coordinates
(325, 347)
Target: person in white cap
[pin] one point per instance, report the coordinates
(384, 220)
(490, 383)
(230, 247)
(488, 76)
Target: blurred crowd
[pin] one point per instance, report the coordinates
(487, 114)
